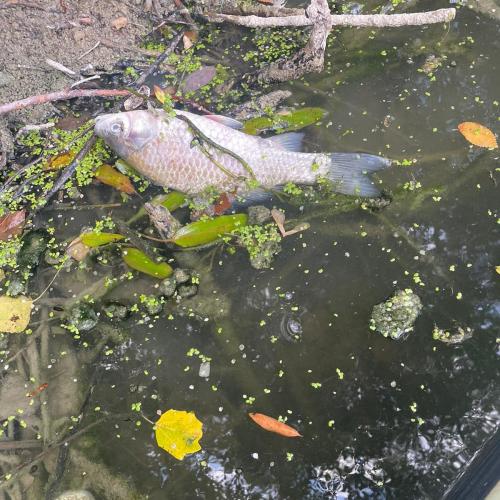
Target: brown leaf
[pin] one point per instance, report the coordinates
(119, 22)
(199, 78)
(478, 134)
(12, 224)
(279, 218)
(189, 38)
(77, 249)
(110, 176)
(266, 2)
(272, 425)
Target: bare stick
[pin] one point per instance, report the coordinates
(357, 20)
(86, 53)
(60, 95)
(60, 67)
(83, 80)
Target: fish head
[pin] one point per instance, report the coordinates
(127, 132)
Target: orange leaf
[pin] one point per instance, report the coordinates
(478, 134)
(12, 224)
(272, 425)
(159, 94)
(59, 161)
(110, 176)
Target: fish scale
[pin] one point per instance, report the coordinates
(166, 149)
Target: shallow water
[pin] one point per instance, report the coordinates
(390, 419)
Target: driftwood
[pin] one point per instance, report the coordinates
(311, 58)
(278, 18)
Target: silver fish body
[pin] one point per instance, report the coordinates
(173, 151)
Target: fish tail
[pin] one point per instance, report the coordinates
(350, 173)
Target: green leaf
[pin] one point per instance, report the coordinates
(171, 201)
(286, 122)
(179, 433)
(206, 231)
(97, 239)
(139, 261)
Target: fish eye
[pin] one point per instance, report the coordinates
(117, 128)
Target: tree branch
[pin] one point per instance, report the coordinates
(60, 95)
(356, 20)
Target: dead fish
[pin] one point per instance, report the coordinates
(171, 152)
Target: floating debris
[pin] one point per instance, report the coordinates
(461, 335)
(395, 317)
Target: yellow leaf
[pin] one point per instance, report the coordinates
(110, 176)
(179, 432)
(497, 269)
(15, 313)
(478, 134)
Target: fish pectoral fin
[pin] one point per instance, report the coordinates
(226, 120)
(290, 141)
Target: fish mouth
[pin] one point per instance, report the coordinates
(100, 124)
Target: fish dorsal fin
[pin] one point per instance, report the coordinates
(291, 141)
(225, 120)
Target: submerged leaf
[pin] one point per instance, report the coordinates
(60, 161)
(15, 313)
(12, 224)
(478, 134)
(98, 239)
(110, 176)
(139, 261)
(206, 231)
(272, 425)
(199, 78)
(77, 249)
(285, 122)
(179, 433)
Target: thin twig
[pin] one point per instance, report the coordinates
(83, 80)
(60, 95)
(160, 59)
(60, 67)
(71, 168)
(89, 51)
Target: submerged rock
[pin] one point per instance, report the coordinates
(186, 291)
(258, 215)
(168, 286)
(181, 275)
(116, 311)
(83, 317)
(395, 317)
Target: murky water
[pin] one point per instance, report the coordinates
(379, 418)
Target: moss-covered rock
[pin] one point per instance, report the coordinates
(396, 316)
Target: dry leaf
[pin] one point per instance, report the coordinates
(179, 433)
(77, 249)
(478, 134)
(119, 22)
(15, 313)
(279, 218)
(272, 425)
(266, 2)
(189, 38)
(12, 224)
(199, 78)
